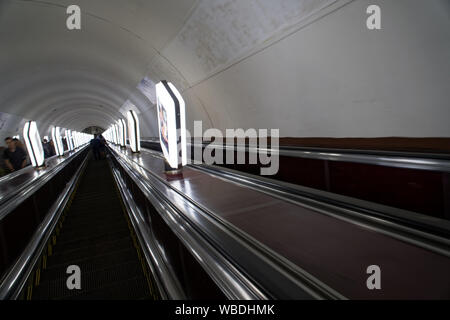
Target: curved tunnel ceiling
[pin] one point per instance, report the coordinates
(306, 67)
(77, 79)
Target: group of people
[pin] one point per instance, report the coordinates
(98, 145)
(15, 156)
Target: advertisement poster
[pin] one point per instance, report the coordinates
(163, 126)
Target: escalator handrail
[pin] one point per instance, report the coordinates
(13, 199)
(427, 232)
(14, 174)
(230, 280)
(166, 281)
(409, 160)
(213, 234)
(15, 278)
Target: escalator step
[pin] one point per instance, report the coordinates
(126, 289)
(91, 250)
(99, 280)
(95, 236)
(81, 232)
(116, 222)
(90, 263)
(81, 242)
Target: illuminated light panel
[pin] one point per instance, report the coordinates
(33, 143)
(69, 140)
(124, 132)
(56, 137)
(116, 134)
(171, 123)
(76, 143)
(121, 132)
(134, 131)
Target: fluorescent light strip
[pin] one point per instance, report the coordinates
(33, 143)
(172, 106)
(134, 131)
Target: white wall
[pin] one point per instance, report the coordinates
(325, 75)
(307, 67)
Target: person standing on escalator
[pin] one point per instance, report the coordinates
(49, 151)
(102, 147)
(15, 157)
(95, 145)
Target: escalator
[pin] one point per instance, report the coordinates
(136, 232)
(94, 234)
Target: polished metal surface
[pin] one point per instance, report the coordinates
(408, 160)
(302, 240)
(428, 232)
(198, 228)
(389, 161)
(404, 225)
(14, 174)
(168, 285)
(233, 283)
(14, 280)
(17, 188)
